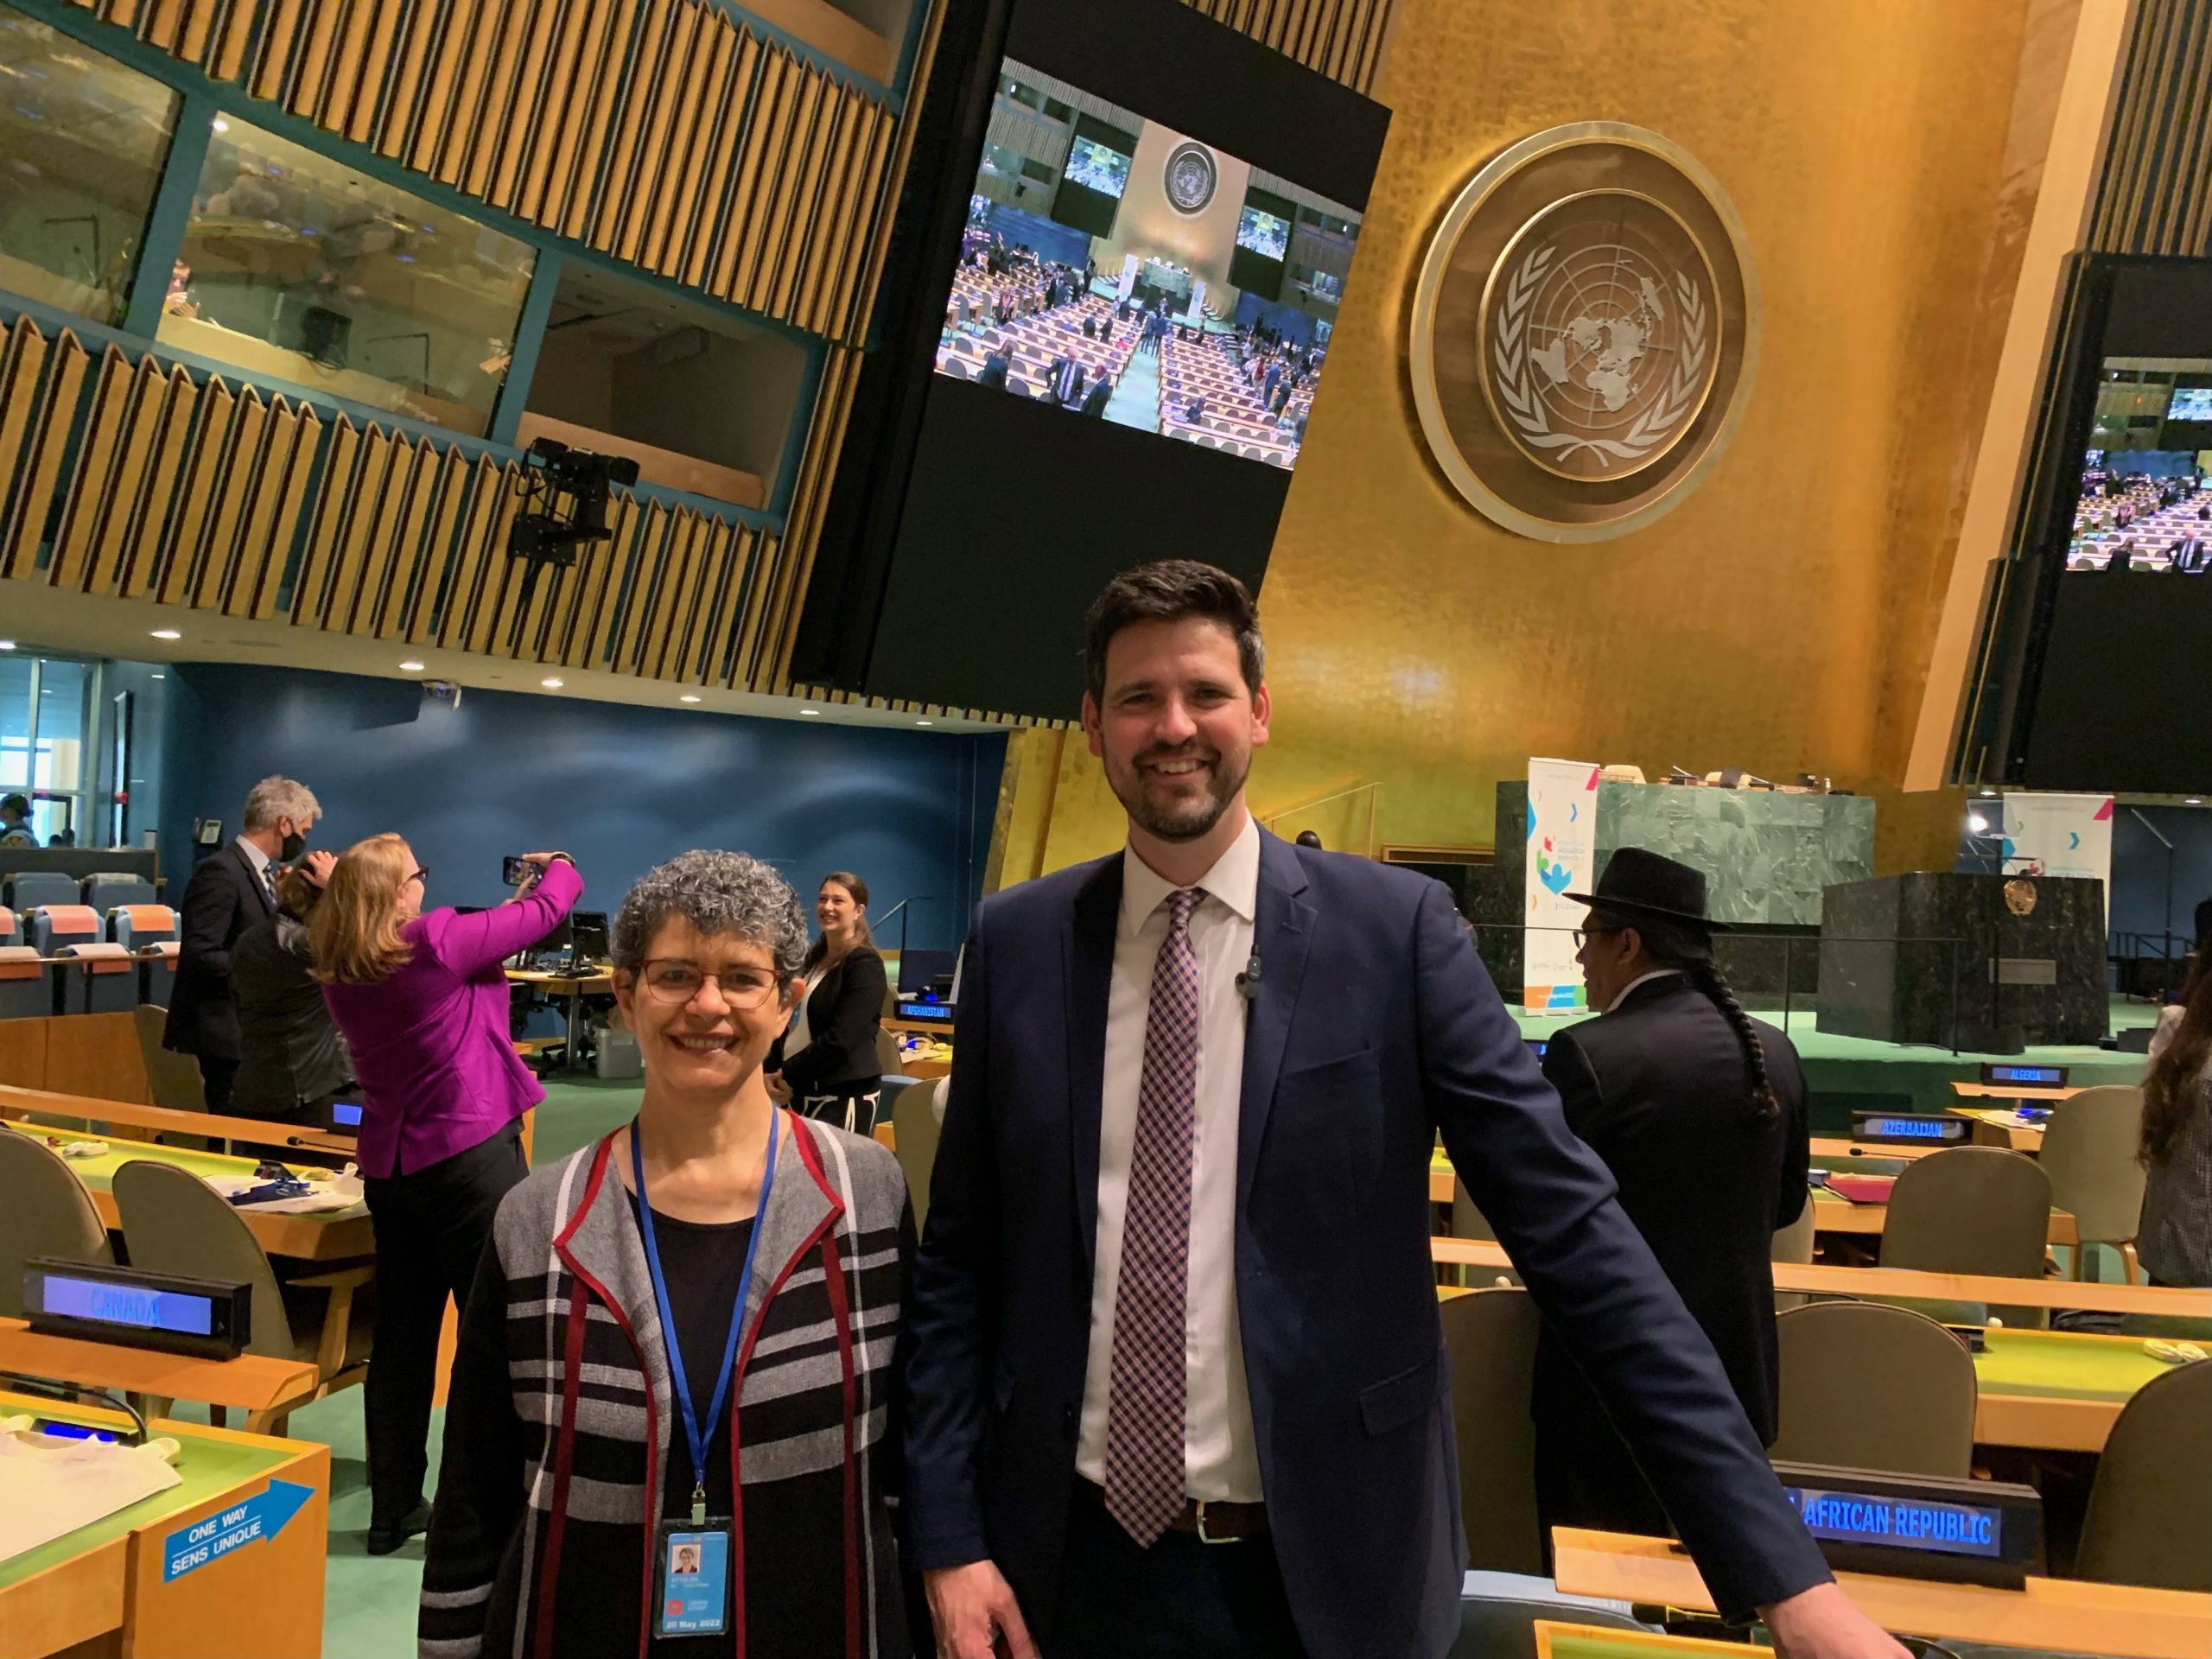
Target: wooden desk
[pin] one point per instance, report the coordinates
(2013, 1091)
(1998, 1127)
(1835, 1146)
(2160, 1300)
(264, 1388)
(1835, 1215)
(328, 1235)
(162, 1120)
(573, 986)
(103, 1587)
(1441, 1180)
(2050, 1614)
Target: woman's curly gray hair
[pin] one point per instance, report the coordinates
(716, 893)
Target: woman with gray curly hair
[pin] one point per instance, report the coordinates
(701, 1305)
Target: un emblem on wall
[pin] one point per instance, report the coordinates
(1584, 330)
(1189, 176)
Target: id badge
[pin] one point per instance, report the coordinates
(692, 1577)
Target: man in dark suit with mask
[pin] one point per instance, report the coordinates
(1101, 393)
(2192, 556)
(230, 891)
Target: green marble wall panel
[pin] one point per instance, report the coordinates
(1766, 856)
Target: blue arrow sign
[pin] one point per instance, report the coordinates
(263, 1516)
(2073, 840)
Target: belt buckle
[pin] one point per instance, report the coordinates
(1205, 1537)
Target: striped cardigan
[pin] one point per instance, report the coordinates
(537, 1543)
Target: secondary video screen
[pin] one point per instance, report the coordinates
(1116, 270)
(1094, 167)
(1263, 233)
(2144, 504)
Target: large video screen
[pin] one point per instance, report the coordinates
(1263, 233)
(1069, 377)
(1136, 302)
(1094, 167)
(2112, 627)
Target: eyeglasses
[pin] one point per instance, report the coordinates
(421, 875)
(675, 982)
(1584, 934)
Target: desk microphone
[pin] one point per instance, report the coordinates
(1247, 982)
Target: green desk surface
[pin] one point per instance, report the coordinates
(208, 1467)
(1589, 1641)
(2054, 1365)
(98, 1173)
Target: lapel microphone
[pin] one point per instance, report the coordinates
(1247, 982)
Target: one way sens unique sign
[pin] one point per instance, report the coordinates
(263, 1516)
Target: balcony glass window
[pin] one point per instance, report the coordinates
(82, 140)
(296, 267)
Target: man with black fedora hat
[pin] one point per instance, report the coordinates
(1699, 1111)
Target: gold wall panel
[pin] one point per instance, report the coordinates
(2155, 193)
(667, 134)
(1781, 618)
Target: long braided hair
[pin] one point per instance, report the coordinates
(1687, 947)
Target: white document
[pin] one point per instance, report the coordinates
(50, 1486)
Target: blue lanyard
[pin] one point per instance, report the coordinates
(697, 1432)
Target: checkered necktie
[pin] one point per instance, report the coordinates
(1146, 1396)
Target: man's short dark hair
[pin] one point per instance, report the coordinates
(1170, 590)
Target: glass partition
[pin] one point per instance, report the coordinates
(298, 269)
(82, 140)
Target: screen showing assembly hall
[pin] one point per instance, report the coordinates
(1115, 269)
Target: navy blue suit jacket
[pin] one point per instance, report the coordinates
(1373, 1028)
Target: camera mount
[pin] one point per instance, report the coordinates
(549, 537)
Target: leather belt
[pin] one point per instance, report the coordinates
(1211, 1520)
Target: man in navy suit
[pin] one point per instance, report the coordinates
(1177, 1383)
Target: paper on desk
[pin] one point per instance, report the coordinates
(50, 1486)
(340, 1193)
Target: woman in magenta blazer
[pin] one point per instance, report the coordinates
(423, 1002)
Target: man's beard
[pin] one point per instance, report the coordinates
(1185, 822)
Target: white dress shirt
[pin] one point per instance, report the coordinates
(1220, 1459)
(258, 858)
(1629, 989)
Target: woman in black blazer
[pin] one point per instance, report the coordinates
(825, 1065)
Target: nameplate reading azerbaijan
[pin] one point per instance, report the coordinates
(1898, 1523)
(129, 1304)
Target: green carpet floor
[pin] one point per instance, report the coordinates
(368, 1610)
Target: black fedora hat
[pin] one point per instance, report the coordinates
(1640, 882)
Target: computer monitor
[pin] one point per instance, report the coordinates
(588, 933)
(920, 969)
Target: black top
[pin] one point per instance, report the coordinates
(1660, 1090)
(290, 1056)
(703, 1264)
(224, 898)
(842, 1016)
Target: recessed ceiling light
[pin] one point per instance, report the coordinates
(925, 722)
(2194, 800)
(221, 125)
(161, 677)
(7, 644)
(410, 666)
(552, 682)
(166, 634)
(687, 697)
(1989, 794)
(809, 711)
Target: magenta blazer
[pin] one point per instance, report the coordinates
(437, 1070)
